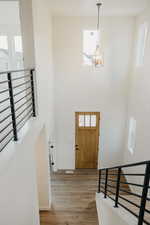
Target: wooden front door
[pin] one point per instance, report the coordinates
(87, 139)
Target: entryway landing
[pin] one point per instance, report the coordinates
(73, 199)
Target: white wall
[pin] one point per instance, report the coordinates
(44, 77)
(40, 32)
(44, 62)
(139, 107)
(18, 195)
(18, 178)
(109, 215)
(37, 39)
(26, 19)
(42, 36)
(42, 162)
(78, 88)
(139, 95)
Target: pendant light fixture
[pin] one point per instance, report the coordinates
(98, 56)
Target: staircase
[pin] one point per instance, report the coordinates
(131, 196)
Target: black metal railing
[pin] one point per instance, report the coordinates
(17, 103)
(133, 196)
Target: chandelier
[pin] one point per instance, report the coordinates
(97, 56)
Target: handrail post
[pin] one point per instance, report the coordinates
(106, 181)
(12, 105)
(33, 94)
(117, 187)
(144, 194)
(99, 182)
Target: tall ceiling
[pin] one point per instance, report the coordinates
(88, 7)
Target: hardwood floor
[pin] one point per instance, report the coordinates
(73, 199)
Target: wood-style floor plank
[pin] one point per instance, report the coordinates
(73, 199)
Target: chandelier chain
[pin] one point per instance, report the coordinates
(99, 4)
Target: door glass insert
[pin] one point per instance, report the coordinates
(81, 120)
(87, 120)
(93, 120)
